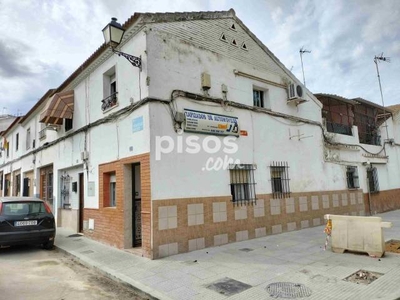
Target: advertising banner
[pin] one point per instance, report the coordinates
(208, 123)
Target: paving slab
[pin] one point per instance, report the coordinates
(296, 256)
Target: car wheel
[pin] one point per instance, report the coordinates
(49, 245)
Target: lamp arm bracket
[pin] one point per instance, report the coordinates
(134, 60)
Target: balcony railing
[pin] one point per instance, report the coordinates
(42, 133)
(338, 128)
(109, 102)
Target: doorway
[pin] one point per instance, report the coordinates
(81, 201)
(136, 206)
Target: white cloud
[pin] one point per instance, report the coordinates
(56, 36)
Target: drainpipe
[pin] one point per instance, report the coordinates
(369, 195)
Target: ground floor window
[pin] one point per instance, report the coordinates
(352, 177)
(113, 201)
(109, 189)
(280, 179)
(372, 175)
(242, 182)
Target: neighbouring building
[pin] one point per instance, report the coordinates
(5, 121)
(364, 136)
(211, 141)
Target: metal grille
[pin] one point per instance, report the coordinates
(288, 290)
(338, 128)
(280, 179)
(109, 102)
(366, 121)
(352, 178)
(258, 98)
(338, 114)
(373, 182)
(242, 183)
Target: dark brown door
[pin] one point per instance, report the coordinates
(81, 201)
(136, 206)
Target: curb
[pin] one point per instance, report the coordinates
(139, 288)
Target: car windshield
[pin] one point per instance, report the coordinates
(23, 208)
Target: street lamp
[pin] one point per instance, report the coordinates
(376, 60)
(113, 33)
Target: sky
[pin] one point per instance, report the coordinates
(43, 42)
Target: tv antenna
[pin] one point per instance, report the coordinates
(302, 51)
(377, 59)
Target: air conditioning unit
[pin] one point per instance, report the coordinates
(295, 91)
(296, 94)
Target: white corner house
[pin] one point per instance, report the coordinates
(190, 133)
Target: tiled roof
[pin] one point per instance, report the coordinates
(358, 100)
(394, 108)
(363, 101)
(146, 18)
(337, 97)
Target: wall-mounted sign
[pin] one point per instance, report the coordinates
(203, 122)
(137, 124)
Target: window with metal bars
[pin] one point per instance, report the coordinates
(258, 98)
(242, 183)
(372, 175)
(280, 179)
(352, 178)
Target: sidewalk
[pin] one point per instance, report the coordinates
(288, 257)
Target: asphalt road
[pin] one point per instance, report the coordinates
(30, 273)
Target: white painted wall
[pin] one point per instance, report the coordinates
(178, 52)
(176, 61)
(181, 175)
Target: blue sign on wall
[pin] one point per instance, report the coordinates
(137, 124)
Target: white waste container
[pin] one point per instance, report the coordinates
(362, 234)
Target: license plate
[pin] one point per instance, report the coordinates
(25, 223)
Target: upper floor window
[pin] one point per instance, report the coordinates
(42, 132)
(352, 178)
(28, 139)
(367, 121)
(338, 115)
(68, 124)
(280, 179)
(258, 98)
(109, 90)
(113, 84)
(242, 182)
(16, 142)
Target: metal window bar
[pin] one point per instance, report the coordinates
(280, 179)
(42, 133)
(242, 184)
(372, 175)
(109, 102)
(338, 128)
(352, 178)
